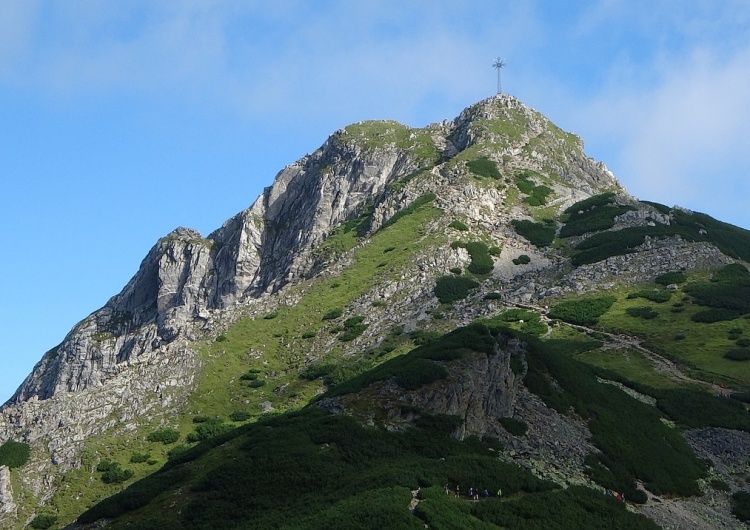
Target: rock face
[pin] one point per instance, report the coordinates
(7, 506)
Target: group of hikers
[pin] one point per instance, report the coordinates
(473, 493)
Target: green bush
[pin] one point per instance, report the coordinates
(743, 343)
(139, 458)
(646, 312)
(239, 415)
(593, 214)
(585, 311)
(112, 473)
(43, 521)
(456, 270)
(257, 383)
(741, 505)
(271, 315)
(538, 196)
(484, 167)
(481, 261)
(594, 201)
(670, 278)
(449, 289)
(14, 454)
(654, 295)
(333, 314)
(538, 234)
(353, 328)
(514, 426)
(523, 259)
(166, 436)
(493, 296)
(700, 409)
(739, 354)
(209, 429)
(309, 334)
(495, 250)
(250, 375)
(714, 315)
(459, 225)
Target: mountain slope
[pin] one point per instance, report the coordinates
(385, 238)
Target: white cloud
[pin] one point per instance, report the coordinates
(686, 139)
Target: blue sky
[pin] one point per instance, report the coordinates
(120, 121)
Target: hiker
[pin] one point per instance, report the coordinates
(458, 491)
(486, 493)
(499, 493)
(471, 492)
(446, 489)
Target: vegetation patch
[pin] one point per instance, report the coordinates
(634, 443)
(112, 473)
(333, 313)
(729, 289)
(646, 312)
(700, 409)
(575, 507)
(43, 521)
(715, 315)
(514, 426)
(687, 225)
(139, 458)
(14, 454)
(209, 429)
(353, 328)
(523, 259)
(481, 260)
(585, 311)
(419, 201)
(458, 225)
(592, 215)
(653, 295)
(536, 195)
(449, 289)
(538, 234)
(166, 436)
(484, 167)
(738, 354)
(741, 505)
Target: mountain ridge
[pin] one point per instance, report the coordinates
(141, 361)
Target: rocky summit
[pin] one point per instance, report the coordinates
(403, 315)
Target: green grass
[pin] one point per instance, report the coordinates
(378, 134)
(699, 347)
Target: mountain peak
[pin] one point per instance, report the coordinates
(384, 236)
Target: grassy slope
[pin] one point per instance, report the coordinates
(311, 470)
